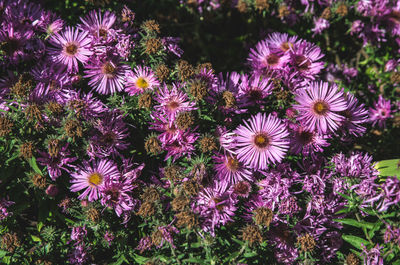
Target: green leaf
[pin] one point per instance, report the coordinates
(388, 167)
(355, 240)
(3, 253)
(355, 223)
(34, 166)
(36, 239)
(39, 226)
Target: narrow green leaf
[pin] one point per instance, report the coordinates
(355, 223)
(36, 239)
(34, 166)
(389, 167)
(3, 253)
(355, 240)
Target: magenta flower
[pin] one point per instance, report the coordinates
(354, 116)
(70, 46)
(97, 24)
(91, 178)
(282, 41)
(254, 89)
(261, 140)
(142, 80)
(306, 141)
(115, 194)
(267, 57)
(305, 58)
(230, 171)
(319, 105)
(107, 75)
(372, 256)
(380, 112)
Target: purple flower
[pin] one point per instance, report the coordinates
(142, 80)
(97, 24)
(144, 244)
(319, 105)
(107, 74)
(166, 235)
(380, 112)
(109, 237)
(261, 140)
(230, 171)
(91, 178)
(56, 163)
(78, 233)
(358, 165)
(320, 25)
(254, 89)
(182, 145)
(216, 206)
(79, 254)
(70, 47)
(305, 141)
(52, 190)
(372, 256)
(268, 57)
(354, 116)
(305, 59)
(4, 204)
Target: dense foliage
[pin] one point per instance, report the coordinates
(199, 132)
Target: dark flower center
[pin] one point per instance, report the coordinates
(219, 205)
(320, 107)
(108, 138)
(272, 59)
(232, 164)
(261, 140)
(255, 94)
(306, 137)
(286, 46)
(302, 63)
(71, 49)
(241, 188)
(108, 69)
(103, 33)
(114, 194)
(10, 46)
(394, 16)
(172, 105)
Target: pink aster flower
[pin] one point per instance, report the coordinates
(306, 141)
(355, 115)
(254, 89)
(230, 171)
(380, 112)
(319, 106)
(97, 24)
(265, 57)
(143, 79)
(282, 41)
(261, 140)
(91, 178)
(107, 75)
(172, 101)
(182, 145)
(305, 58)
(70, 46)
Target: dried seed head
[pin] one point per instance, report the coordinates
(146, 209)
(306, 242)
(162, 72)
(207, 66)
(153, 145)
(185, 70)
(23, 86)
(54, 107)
(252, 234)
(179, 203)
(263, 216)
(33, 113)
(198, 89)
(5, 126)
(283, 11)
(53, 147)
(151, 26)
(73, 129)
(157, 237)
(93, 215)
(395, 78)
(191, 188)
(153, 45)
(186, 219)
(262, 5)
(39, 181)
(342, 10)
(352, 259)
(10, 241)
(184, 120)
(173, 173)
(229, 98)
(326, 14)
(207, 144)
(26, 150)
(150, 194)
(241, 6)
(127, 15)
(145, 101)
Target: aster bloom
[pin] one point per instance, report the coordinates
(320, 24)
(92, 177)
(70, 46)
(358, 165)
(182, 145)
(354, 116)
(84, 106)
(372, 256)
(254, 89)
(216, 205)
(319, 106)
(261, 140)
(99, 25)
(230, 171)
(56, 162)
(161, 123)
(142, 80)
(306, 141)
(282, 41)
(267, 57)
(115, 194)
(172, 101)
(109, 137)
(107, 75)
(166, 233)
(380, 112)
(305, 58)
(4, 204)
(13, 43)
(79, 254)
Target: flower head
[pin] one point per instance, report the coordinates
(142, 80)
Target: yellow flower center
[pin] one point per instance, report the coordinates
(261, 140)
(95, 179)
(321, 108)
(232, 164)
(142, 83)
